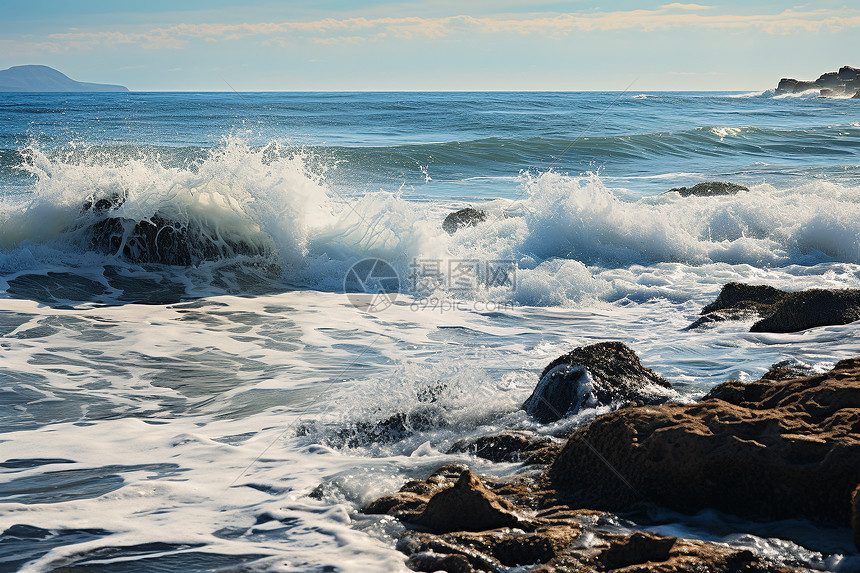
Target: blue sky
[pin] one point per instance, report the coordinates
(432, 45)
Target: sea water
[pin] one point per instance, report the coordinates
(193, 418)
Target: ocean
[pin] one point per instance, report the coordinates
(199, 404)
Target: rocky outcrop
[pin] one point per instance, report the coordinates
(831, 84)
(607, 373)
(810, 308)
(510, 446)
(475, 531)
(781, 311)
(467, 217)
(770, 449)
(709, 189)
(160, 239)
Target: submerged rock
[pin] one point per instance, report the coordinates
(709, 189)
(162, 240)
(782, 311)
(770, 449)
(597, 375)
(467, 217)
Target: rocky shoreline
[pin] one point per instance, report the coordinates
(842, 83)
(786, 446)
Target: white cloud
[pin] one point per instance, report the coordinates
(356, 29)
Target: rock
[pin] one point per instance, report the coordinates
(783, 311)
(467, 217)
(810, 308)
(556, 539)
(512, 446)
(841, 83)
(723, 316)
(770, 449)
(856, 96)
(600, 374)
(855, 515)
(848, 73)
(467, 506)
(638, 548)
(738, 297)
(709, 189)
(787, 370)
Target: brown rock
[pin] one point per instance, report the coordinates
(614, 376)
(638, 548)
(467, 506)
(768, 449)
(739, 296)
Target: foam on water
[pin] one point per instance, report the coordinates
(573, 238)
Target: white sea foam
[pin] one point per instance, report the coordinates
(571, 237)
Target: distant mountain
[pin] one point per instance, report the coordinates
(45, 79)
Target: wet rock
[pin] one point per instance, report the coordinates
(855, 515)
(723, 316)
(467, 506)
(770, 449)
(841, 83)
(737, 297)
(512, 446)
(467, 217)
(557, 539)
(709, 189)
(638, 548)
(394, 428)
(787, 370)
(782, 311)
(810, 308)
(600, 374)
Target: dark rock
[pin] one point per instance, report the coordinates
(738, 296)
(841, 83)
(723, 316)
(394, 428)
(709, 189)
(509, 446)
(856, 96)
(600, 374)
(638, 548)
(855, 515)
(467, 506)
(810, 308)
(431, 561)
(765, 450)
(467, 217)
(847, 73)
(783, 311)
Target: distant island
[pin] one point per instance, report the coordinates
(844, 83)
(45, 79)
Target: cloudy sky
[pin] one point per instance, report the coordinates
(309, 45)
